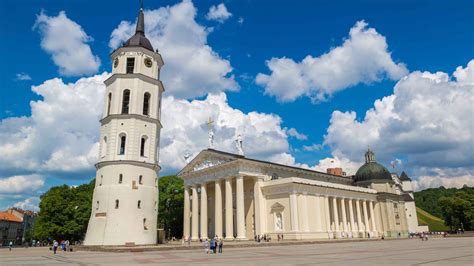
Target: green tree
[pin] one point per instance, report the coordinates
(64, 212)
(170, 212)
(458, 210)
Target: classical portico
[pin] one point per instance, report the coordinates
(237, 198)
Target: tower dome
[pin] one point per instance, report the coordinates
(372, 170)
(139, 39)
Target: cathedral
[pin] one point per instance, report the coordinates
(125, 199)
(237, 198)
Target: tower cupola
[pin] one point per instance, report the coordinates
(139, 39)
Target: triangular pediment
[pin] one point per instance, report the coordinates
(207, 159)
(277, 207)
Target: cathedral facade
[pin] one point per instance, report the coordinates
(125, 199)
(237, 198)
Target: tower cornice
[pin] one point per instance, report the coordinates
(123, 50)
(108, 118)
(140, 76)
(153, 166)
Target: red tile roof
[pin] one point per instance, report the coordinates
(9, 217)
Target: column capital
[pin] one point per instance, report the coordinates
(229, 178)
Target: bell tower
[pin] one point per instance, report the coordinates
(125, 200)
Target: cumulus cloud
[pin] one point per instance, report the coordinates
(424, 182)
(218, 13)
(312, 147)
(60, 135)
(67, 42)
(30, 203)
(428, 119)
(294, 133)
(362, 58)
(21, 184)
(22, 76)
(185, 130)
(192, 67)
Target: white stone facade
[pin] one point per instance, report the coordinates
(238, 198)
(125, 200)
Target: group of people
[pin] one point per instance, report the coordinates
(214, 246)
(264, 238)
(64, 245)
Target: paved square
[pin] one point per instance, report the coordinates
(439, 251)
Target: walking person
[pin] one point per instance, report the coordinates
(10, 245)
(213, 243)
(221, 243)
(206, 246)
(55, 246)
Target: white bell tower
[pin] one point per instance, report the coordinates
(125, 201)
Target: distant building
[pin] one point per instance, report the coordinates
(27, 217)
(336, 171)
(11, 229)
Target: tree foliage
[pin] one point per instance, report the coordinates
(428, 199)
(64, 212)
(170, 212)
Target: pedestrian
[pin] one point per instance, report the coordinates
(10, 245)
(221, 243)
(189, 241)
(206, 246)
(55, 246)
(213, 243)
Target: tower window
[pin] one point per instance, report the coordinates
(139, 204)
(97, 205)
(101, 179)
(123, 140)
(130, 65)
(125, 101)
(116, 204)
(140, 180)
(146, 103)
(142, 147)
(104, 147)
(144, 224)
(120, 178)
(109, 101)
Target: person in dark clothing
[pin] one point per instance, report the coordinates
(221, 243)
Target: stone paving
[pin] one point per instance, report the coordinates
(439, 251)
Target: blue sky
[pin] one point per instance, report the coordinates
(432, 36)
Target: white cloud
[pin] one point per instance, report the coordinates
(465, 75)
(425, 182)
(240, 20)
(192, 67)
(428, 119)
(184, 129)
(362, 58)
(294, 133)
(28, 204)
(61, 133)
(22, 76)
(218, 13)
(313, 147)
(21, 184)
(66, 41)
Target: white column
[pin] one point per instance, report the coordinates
(344, 216)
(351, 217)
(304, 215)
(195, 216)
(328, 213)
(258, 208)
(336, 216)
(366, 218)
(240, 208)
(359, 216)
(229, 210)
(318, 214)
(294, 211)
(218, 208)
(187, 213)
(204, 211)
(372, 217)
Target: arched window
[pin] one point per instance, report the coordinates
(125, 101)
(123, 142)
(142, 146)
(97, 205)
(146, 103)
(120, 178)
(144, 224)
(101, 179)
(139, 204)
(104, 147)
(109, 102)
(140, 180)
(116, 204)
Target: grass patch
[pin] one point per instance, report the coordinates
(434, 223)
